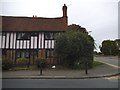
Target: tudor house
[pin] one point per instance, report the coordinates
(31, 37)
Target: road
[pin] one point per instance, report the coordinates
(60, 83)
(113, 61)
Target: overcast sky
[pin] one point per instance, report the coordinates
(98, 16)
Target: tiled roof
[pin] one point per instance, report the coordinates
(11, 23)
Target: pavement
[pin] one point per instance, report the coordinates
(100, 71)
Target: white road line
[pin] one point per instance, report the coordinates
(108, 64)
(112, 78)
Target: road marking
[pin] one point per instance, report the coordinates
(113, 78)
(109, 64)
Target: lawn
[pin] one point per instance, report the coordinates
(96, 63)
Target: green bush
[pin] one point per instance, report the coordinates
(74, 47)
(82, 66)
(77, 65)
(41, 63)
(6, 64)
(22, 61)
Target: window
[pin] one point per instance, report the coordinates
(18, 55)
(23, 36)
(49, 53)
(49, 36)
(3, 34)
(4, 52)
(22, 54)
(27, 54)
(34, 34)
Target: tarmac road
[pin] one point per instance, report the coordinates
(60, 83)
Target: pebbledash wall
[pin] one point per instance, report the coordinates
(31, 37)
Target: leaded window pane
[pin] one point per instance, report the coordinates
(49, 36)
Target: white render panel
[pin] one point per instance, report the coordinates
(32, 38)
(14, 41)
(0, 40)
(17, 46)
(11, 41)
(53, 42)
(21, 42)
(46, 44)
(3, 41)
(40, 40)
(49, 43)
(7, 40)
(35, 42)
(43, 40)
(24, 44)
(28, 43)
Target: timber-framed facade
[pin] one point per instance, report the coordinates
(31, 37)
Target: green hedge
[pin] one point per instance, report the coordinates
(41, 63)
(6, 64)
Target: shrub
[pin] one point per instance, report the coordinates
(40, 63)
(81, 64)
(6, 64)
(75, 47)
(22, 61)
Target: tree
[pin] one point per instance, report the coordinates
(40, 64)
(109, 47)
(77, 28)
(118, 45)
(6, 64)
(75, 48)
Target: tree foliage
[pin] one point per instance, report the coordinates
(77, 28)
(109, 47)
(75, 48)
(6, 64)
(40, 62)
(118, 45)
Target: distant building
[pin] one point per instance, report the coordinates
(31, 37)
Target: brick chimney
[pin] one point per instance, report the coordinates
(64, 10)
(65, 17)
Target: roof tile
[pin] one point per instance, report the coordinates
(10, 23)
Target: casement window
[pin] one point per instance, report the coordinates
(23, 36)
(22, 54)
(3, 34)
(4, 52)
(18, 54)
(49, 53)
(49, 36)
(34, 34)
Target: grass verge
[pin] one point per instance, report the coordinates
(96, 63)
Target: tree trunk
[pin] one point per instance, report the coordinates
(86, 68)
(40, 70)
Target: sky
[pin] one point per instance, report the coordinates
(99, 17)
